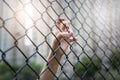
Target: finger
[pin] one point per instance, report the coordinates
(59, 21)
(58, 25)
(71, 39)
(64, 35)
(65, 25)
(59, 37)
(67, 36)
(69, 30)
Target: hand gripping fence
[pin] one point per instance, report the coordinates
(27, 29)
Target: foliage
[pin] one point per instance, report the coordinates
(115, 59)
(110, 75)
(26, 74)
(87, 67)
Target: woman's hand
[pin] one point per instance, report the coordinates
(64, 36)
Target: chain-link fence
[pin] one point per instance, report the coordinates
(26, 32)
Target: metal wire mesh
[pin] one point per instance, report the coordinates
(26, 32)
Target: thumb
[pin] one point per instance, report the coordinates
(64, 35)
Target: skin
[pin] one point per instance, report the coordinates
(59, 46)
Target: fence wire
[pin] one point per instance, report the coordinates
(27, 29)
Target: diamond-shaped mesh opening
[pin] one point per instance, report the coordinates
(6, 8)
(26, 45)
(14, 28)
(6, 42)
(14, 57)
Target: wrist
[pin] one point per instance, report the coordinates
(56, 55)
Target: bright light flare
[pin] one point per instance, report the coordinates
(28, 23)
